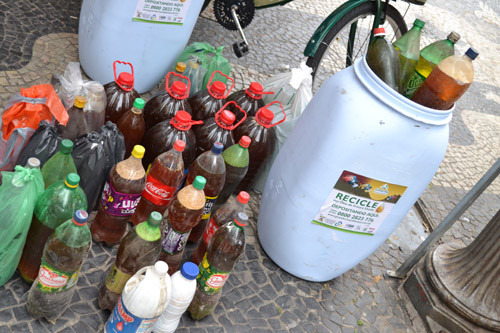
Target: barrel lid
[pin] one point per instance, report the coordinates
(471, 53)
(139, 103)
(218, 88)
(241, 219)
(80, 101)
(199, 182)
(243, 197)
(155, 218)
(419, 23)
(189, 270)
(138, 151)
(454, 36)
(80, 218)
(72, 180)
(179, 88)
(126, 79)
(227, 117)
(179, 145)
(265, 115)
(245, 141)
(217, 148)
(66, 146)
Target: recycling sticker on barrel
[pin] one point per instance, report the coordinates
(358, 204)
(161, 11)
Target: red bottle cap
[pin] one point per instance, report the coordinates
(243, 197)
(179, 88)
(126, 79)
(182, 117)
(380, 31)
(179, 145)
(218, 88)
(255, 89)
(227, 117)
(245, 141)
(264, 115)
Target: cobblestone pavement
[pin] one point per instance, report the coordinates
(259, 296)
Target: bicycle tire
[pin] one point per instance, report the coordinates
(393, 19)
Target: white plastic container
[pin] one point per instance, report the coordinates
(144, 298)
(183, 289)
(358, 145)
(107, 33)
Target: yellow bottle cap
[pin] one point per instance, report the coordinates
(80, 101)
(181, 67)
(138, 151)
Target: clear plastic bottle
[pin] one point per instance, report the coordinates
(120, 94)
(60, 165)
(95, 109)
(132, 126)
(448, 81)
(183, 289)
(383, 59)
(225, 249)
(76, 125)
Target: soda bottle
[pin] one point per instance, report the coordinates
(139, 248)
(430, 56)
(163, 178)
(120, 94)
(164, 104)
(225, 249)
(383, 59)
(195, 72)
(56, 205)
(183, 289)
(119, 198)
(236, 158)
(211, 166)
(447, 82)
(62, 260)
(183, 214)
(226, 213)
(249, 99)
(261, 131)
(76, 125)
(161, 138)
(59, 165)
(408, 48)
(205, 103)
(143, 300)
(217, 129)
(132, 126)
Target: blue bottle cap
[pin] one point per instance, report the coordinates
(80, 217)
(189, 270)
(471, 53)
(217, 148)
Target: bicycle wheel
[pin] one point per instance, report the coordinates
(332, 55)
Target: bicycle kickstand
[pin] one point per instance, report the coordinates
(240, 48)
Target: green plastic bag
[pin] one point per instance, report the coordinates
(211, 59)
(18, 194)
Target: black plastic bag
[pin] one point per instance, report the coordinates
(94, 155)
(43, 144)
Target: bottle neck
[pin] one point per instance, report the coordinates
(136, 110)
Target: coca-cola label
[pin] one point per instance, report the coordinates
(116, 203)
(210, 279)
(173, 241)
(209, 231)
(116, 280)
(209, 204)
(156, 192)
(122, 320)
(53, 280)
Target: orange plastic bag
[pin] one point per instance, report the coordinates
(36, 103)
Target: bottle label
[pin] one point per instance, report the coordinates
(210, 279)
(156, 192)
(116, 280)
(118, 204)
(53, 280)
(173, 241)
(413, 84)
(209, 204)
(122, 320)
(209, 231)
(358, 204)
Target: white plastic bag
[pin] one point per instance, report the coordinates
(294, 90)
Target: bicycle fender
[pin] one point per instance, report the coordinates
(327, 24)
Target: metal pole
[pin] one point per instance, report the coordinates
(447, 222)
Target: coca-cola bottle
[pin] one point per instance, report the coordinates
(119, 198)
(161, 138)
(207, 102)
(76, 125)
(164, 176)
(164, 104)
(260, 130)
(120, 94)
(132, 126)
(249, 99)
(226, 213)
(217, 129)
(211, 166)
(183, 214)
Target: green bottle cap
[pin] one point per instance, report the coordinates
(139, 103)
(154, 219)
(199, 182)
(72, 180)
(419, 23)
(66, 146)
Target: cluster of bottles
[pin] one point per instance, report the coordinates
(179, 184)
(434, 77)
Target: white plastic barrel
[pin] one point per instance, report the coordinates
(107, 33)
(357, 160)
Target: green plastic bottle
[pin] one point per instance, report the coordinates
(59, 165)
(56, 205)
(237, 159)
(383, 59)
(430, 56)
(408, 48)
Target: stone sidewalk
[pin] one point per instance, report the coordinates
(259, 296)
